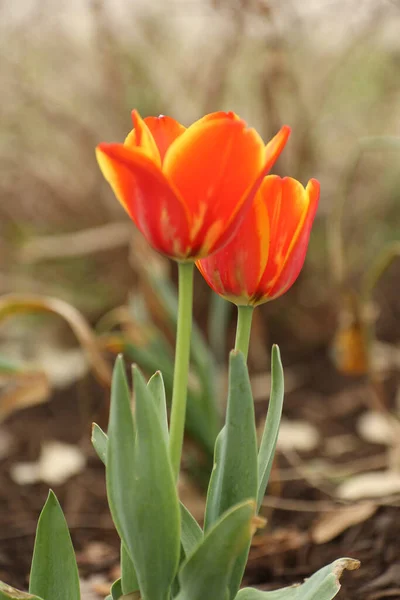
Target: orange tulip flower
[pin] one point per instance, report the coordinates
(267, 253)
(188, 189)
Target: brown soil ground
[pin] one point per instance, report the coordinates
(284, 553)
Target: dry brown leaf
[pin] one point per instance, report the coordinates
(297, 435)
(6, 441)
(376, 484)
(97, 554)
(12, 304)
(376, 427)
(331, 524)
(57, 463)
(26, 389)
(277, 542)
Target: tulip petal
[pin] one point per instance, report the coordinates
(164, 131)
(211, 165)
(235, 271)
(291, 216)
(220, 114)
(153, 204)
(271, 154)
(141, 138)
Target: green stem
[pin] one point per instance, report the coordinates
(243, 329)
(181, 368)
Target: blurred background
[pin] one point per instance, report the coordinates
(70, 74)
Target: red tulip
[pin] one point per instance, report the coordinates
(268, 250)
(187, 190)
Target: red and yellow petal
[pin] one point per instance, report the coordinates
(153, 204)
(164, 131)
(271, 154)
(141, 138)
(235, 271)
(220, 114)
(291, 220)
(211, 166)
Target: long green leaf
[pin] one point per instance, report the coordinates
(323, 585)
(271, 427)
(157, 388)
(154, 507)
(54, 573)
(9, 593)
(206, 573)
(120, 477)
(191, 534)
(234, 477)
(129, 580)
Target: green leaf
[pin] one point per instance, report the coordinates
(323, 585)
(142, 494)
(99, 441)
(191, 534)
(206, 572)
(120, 478)
(155, 505)
(116, 589)
(54, 573)
(157, 388)
(128, 574)
(234, 477)
(9, 593)
(271, 427)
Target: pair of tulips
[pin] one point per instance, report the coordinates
(202, 194)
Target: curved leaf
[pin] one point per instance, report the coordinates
(323, 585)
(206, 572)
(116, 589)
(9, 593)
(271, 427)
(99, 442)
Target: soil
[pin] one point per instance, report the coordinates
(284, 553)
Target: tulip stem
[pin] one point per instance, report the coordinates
(243, 329)
(181, 368)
